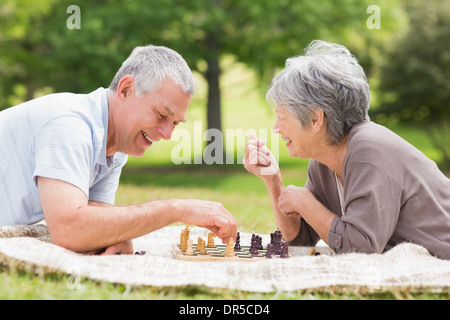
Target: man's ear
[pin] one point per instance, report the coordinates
(125, 87)
(318, 120)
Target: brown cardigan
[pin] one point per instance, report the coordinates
(392, 193)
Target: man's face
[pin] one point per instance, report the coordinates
(145, 120)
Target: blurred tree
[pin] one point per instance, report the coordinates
(415, 80)
(22, 49)
(261, 34)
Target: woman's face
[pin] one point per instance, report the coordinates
(299, 140)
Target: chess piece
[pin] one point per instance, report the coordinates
(184, 237)
(237, 245)
(254, 241)
(269, 251)
(254, 246)
(189, 250)
(259, 243)
(277, 242)
(201, 249)
(211, 240)
(229, 251)
(284, 249)
(182, 241)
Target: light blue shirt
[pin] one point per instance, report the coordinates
(60, 136)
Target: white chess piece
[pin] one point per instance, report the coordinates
(189, 250)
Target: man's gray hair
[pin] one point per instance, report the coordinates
(150, 65)
(328, 77)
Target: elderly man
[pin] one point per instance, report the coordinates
(62, 156)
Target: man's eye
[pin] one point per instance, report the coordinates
(162, 116)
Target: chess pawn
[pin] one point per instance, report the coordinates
(201, 249)
(229, 252)
(254, 247)
(259, 242)
(269, 251)
(284, 250)
(189, 250)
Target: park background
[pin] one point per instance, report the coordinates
(234, 49)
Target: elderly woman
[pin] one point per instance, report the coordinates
(367, 188)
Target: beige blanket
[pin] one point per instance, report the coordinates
(406, 266)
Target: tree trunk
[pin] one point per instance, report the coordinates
(214, 119)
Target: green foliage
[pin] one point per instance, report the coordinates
(22, 48)
(39, 54)
(415, 78)
(37, 50)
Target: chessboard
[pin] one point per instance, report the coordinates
(217, 252)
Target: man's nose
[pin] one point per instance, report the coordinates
(165, 131)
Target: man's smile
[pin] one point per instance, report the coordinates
(146, 136)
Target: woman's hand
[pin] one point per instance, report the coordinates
(293, 200)
(258, 159)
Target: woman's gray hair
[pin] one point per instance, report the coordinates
(329, 78)
(150, 65)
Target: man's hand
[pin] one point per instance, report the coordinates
(258, 158)
(210, 215)
(125, 247)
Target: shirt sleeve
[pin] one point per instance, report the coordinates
(371, 207)
(105, 189)
(63, 150)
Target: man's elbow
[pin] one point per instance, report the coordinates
(65, 233)
(66, 239)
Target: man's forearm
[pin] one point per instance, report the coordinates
(97, 226)
(81, 225)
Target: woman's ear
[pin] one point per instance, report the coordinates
(318, 120)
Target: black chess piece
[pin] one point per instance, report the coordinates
(237, 245)
(254, 246)
(284, 252)
(277, 241)
(259, 243)
(269, 251)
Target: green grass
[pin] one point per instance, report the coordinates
(154, 176)
(19, 285)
